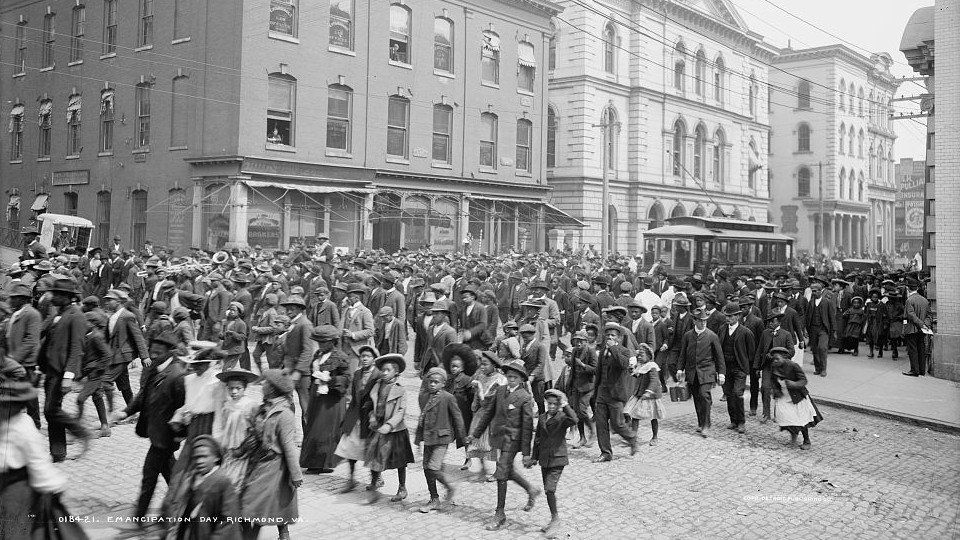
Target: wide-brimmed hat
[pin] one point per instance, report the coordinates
(428, 298)
(466, 354)
(294, 300)
(392, 358)
(492, 357)
(356, 288)
(325, 332)
(700, 314)
(616, 309)
(681, 300)
(441, 305)
(43, 265)
(238, 373)
(240, 278)
(17, 392)
(471, 289)
(539, 284)
(528, 329)
(515, 366)
(64, 285)
(118, 295)
(773, 315)
(20, 289)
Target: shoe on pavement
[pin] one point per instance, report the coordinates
(699, 429)
(764, 419)
(703, 433)
(753, 412)
(350, 485)
(497, 523)
(634, 446)
(603, 458)
(911, 374)
(105, 431)
(374, 497)
(550, 529)
(732, 426)
(805, 445)
(401, 495)
(532, 499)
(741, 429)
(653, 442)
(432, 506)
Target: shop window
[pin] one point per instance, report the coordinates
(283, 17)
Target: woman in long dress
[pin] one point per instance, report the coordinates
(330, 382)
(485, 383)
(269, 491)
(793, 409)
(233, 422)
(356, 430)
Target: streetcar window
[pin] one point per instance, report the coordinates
(720, 252)
(750, 252)
(649, 252)
(735, 252)
(762, 253)
(665, 251)
(703, 251)
(682, 252)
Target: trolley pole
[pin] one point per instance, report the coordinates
(605, 126)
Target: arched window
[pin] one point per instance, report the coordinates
(851, 94)
(860, 187)
(678, 211)
(679, 65)
(609, 48)
(850, 141)
(719, 140)
(881, 152)
(699, 211)
(803, 137)
(339, 113)
(843, 138)
(873, 160)
(488, 140)
(888, 175)
(719, 69)
(860, 144)
(852, 185)
(843, 183)
(803, 95)
(655, 216)
(46, 128)
(803, 182)
(842, 91)
(737, 214)
(699, 151)
(860, 101)
(700, 72)
(718, 212)
(679, 133)
(443, 45)
(399, 43)
(551, 137)
(526, 66)
(610, 120)
(490, 58)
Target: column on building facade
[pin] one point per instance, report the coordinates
(238, 215)
(855, 236)
(464, 227)
(197, 214)
(287, 212)
(366, 231)
(837, 232)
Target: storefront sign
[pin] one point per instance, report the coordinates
(913, 219)
(264, 230)
(71, 178)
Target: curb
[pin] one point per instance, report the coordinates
(935, 425)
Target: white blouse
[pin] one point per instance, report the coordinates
(22, 445)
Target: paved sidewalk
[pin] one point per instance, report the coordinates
(878, 386)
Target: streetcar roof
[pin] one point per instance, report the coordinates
(693, 230)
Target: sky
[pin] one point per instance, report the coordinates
(868, 25)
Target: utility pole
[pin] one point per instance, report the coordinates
(604, 126)
(823, 233)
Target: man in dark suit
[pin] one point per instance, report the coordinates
(843, 296)
(682, 323)
(821, 326)
(161, 394)
(613, 387)
(22, 339)
(439, 335)
(582, 363)
(126, 343)
(535, 354)
(325, 256)
(298, 351)
(390, 333)
(421, 327)
(739, 347)
(59, 359)
(214, 311)
(662, 335)
(474, 327)
(772, 337)
(640, 327)
(702, 359)
(915, 312)
(509, 413)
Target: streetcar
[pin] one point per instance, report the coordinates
(691, 244)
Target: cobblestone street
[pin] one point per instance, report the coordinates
(864, 477)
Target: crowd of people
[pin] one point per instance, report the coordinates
(514, 353)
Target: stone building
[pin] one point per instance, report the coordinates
(833, 149)
(226, 122)
(669, 96)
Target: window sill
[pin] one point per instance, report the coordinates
(398, 160)
(73, 156)
(105, 154)
(444, 74)
(441, 165)
(108, 56)
(16, 161)
(333, 152)
(144, 48)
(180, 40)
(802, 152)
(42, 159)
(45, 69)
(803, 109)
(488, 170)
(284, 37)
(144, 150)
(525, 174)
(21, 74)
(75, 63)
(341, 50)
(281, 148)
(523, 92)
(177, 148)
(403, 65)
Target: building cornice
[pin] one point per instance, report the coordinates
(840, 52)
(544, 7)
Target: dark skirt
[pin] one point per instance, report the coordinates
(268, 492)
(390, 451)
(16, 497)
(324, 418)
(201, 424)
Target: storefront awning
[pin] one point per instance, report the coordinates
(306, 188)
(40, 203)
(73, 108)
(502, 199)
(555, 216)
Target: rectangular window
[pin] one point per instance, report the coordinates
(70, 203)
(527, 67)
(551, 139)
(488, 141)
(180, 113)
(138, 207)
(103, 218)
(283, 17)
(341, 24)
(16, 133)
(46, 125)
(490, 58)
(143, 116)
(682, 258)
(182, 19)
(442, 130)
(73, 126)
(146, 23)
(281, 99)
(524, 140)
(399, 34)
(49, 39)
(106, 121)
(665, 251)
(443, 45)
(20, 60)
(339, 108)
(110, 26)
(398, 119)
(77, 26)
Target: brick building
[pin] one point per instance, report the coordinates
(223, 123)
(682, 90)
(830, 122)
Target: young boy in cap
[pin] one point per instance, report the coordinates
(440, 424)
(550, 450)
(510, 416)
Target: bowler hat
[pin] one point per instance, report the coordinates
(613, 326)
(773, 315)
(732, 308)
(700, 314)
(511, 325)
(325, 332)
(294, 300)
(20, 289)
(539, 284)
(681, 300)
(428, 298)
(515, 366)
(471, 289)
(356, 288)
(528, 329)
(441, 305)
